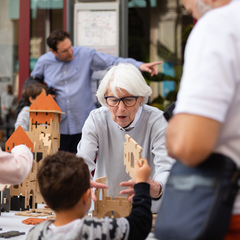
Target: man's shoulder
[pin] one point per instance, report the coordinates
(47, 56)
(220, 18)
(82, 50)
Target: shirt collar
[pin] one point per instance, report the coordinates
(132, 125)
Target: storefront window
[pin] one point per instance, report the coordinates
(9, 17)
(46, 16)
(157, 30)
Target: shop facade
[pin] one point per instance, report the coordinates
(147, 30)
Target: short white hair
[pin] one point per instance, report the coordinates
(124, 76)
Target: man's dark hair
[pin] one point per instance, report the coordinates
(55, 37)
(63, 178)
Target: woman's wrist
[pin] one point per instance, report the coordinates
(159, 194)
(155, 189)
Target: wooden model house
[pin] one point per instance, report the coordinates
(107, 206)
(118, 206)
(42, 138)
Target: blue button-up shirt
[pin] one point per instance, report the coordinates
(72, 81)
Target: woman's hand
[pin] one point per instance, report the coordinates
(155, 188)
(129, 191)
(142, 172)
(96, 185)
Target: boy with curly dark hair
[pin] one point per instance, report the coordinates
(64, 182)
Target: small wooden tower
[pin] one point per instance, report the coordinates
(45, 116)
(107, 206)
(43, 138)
(118, 206)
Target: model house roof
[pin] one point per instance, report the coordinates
(18, 137)
(45, 103)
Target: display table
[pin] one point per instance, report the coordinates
(10, 222)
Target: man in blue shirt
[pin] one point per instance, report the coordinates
(68, 70)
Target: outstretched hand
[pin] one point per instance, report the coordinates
(129, 191)
(96, 185)
(142, 173)
(150, 67)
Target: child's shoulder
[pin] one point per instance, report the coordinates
(87, 226)
(37, 230)
(118, 227)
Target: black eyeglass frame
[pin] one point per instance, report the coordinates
(121, 99)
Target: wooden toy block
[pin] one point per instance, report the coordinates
(10, 234)
(154, 217)
(36, 212)
(33, 221)
(5, 205)
(107, 206)
(104, 191)
(132, 151)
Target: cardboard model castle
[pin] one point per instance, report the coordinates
(43, 138)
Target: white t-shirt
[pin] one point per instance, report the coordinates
(210, 84)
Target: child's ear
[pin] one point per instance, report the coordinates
(31, 100)
(86, 195)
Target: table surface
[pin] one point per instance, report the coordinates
(11, 222)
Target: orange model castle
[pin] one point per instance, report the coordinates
(43, 138)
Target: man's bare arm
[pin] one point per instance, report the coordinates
(191, 138)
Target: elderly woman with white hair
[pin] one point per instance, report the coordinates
(123, 94)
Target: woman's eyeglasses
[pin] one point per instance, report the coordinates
(129, 101)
